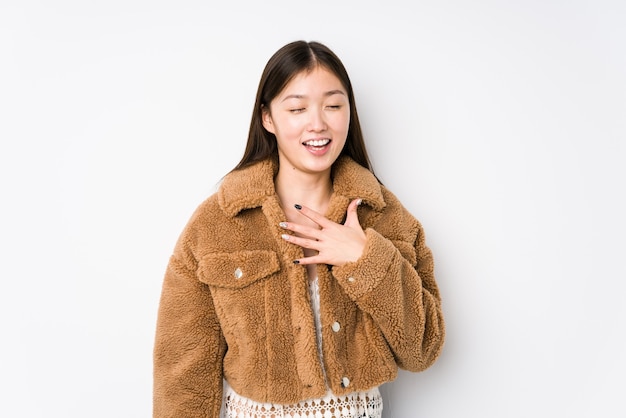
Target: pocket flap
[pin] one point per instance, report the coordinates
(237, 269)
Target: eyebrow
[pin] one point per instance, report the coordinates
(302, 96)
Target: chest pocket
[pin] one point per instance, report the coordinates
(238, 269)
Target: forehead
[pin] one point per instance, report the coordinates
(319, 80)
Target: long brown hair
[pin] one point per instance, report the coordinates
(282, 67)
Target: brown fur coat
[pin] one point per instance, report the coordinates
(234, 305)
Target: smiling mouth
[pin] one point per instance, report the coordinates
(316, 143)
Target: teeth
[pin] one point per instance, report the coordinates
(317, 142)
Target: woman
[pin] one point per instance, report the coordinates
(302, 284)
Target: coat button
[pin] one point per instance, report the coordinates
(345, 382)
(238, 273)
(336, 327)
(351, 279)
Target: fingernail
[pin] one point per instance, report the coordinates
(297, 206)
(358, 202)
(285, 237)
(296, 261)
(283, 224)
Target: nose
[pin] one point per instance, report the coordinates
(317, 123)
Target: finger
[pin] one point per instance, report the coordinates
(302, 242)
(352, 216)
(312, 215)
(309, 260)
(303, 230)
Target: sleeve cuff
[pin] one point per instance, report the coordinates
(363, 276)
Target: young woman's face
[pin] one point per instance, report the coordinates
(310, 120)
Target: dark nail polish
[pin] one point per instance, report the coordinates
(296, 261)
(297, 206)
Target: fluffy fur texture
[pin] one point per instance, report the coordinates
(234, 305)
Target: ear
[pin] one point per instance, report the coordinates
(266, 117)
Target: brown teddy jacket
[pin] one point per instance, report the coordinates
(235, 306)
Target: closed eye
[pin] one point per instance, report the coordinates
(298, 110)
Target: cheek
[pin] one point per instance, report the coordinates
(288, 129)
(341, 122)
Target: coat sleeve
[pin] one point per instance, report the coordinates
(393, 281)
(189, 346)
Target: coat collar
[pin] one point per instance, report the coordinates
(249, 187)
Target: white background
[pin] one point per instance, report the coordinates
(500, 125)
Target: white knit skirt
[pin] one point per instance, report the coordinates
(355, 405)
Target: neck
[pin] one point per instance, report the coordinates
(311, 190)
